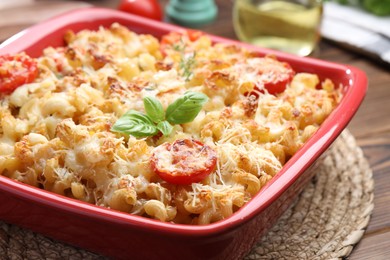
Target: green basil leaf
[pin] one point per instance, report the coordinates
(136, 124)
(154, 109)
(185, 108)
(165, 127)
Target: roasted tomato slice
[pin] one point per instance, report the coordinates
(194, 35)
(273, 76)
(170, 39)
(174, 40)
(175, 37)
(184, 161)
(276, 75)
(16, 70)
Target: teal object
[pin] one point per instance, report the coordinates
(191, 13)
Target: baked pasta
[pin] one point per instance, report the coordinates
(177, 129)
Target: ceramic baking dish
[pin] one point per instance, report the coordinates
(124, 236)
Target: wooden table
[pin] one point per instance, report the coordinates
(370, 126)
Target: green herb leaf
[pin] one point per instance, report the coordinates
(180, 46)
(186, 65)
(165, 127)
(185, 108)
(182, 110)
(136, 124)
(154, 109)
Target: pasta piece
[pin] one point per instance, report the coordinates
(156, 209)
(209, 216)
(123, 199)
(251, 182)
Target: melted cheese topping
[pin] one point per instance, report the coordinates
(55, 132)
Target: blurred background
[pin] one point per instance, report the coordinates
(354, 32)
(294, 26)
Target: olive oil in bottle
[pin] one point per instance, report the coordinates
(289, 26)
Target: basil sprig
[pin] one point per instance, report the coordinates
(154, 109)
(182, 110)
(136, 124)
(185, 108)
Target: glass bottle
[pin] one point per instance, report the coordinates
(287, 25)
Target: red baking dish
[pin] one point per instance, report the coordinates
(124, 236)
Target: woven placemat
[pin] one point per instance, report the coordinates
(331, 214)
(325, 222)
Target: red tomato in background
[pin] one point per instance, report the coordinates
(184, 161)
(16, 70)
(146, 8)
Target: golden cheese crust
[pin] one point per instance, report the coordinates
(55, 132)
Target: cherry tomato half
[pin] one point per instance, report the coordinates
(194, 35)
(16, 70)
(274, 75)
(184, 161)
(170, 39)
(146, 8)
(179, 38)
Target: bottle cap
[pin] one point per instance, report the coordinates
(192, 13)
